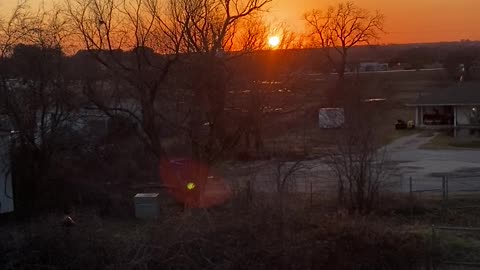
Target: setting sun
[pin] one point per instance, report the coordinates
(274, 41)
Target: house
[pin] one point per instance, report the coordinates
(6, 188)
(366, 67)
(456, 107)
(372, 67)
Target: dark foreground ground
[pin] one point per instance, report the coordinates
(250, 232)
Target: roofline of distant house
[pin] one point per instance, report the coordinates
(441, 104)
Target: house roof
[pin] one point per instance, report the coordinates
(457, 94)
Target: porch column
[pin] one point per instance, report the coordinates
(417, 121)
(421, 116)
(454, 116)
(454, 121)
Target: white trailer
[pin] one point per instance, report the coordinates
(331, 117)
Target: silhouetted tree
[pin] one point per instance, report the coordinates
(212, 30)
(417, 57)
(359, 162)
(181, 86)
(135, 82)
(37, 97)
(459, 62)
(341, 27)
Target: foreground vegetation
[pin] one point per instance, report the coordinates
(232, 237)
(245, 234)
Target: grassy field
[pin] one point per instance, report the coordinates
(300, 132)
(397, 134)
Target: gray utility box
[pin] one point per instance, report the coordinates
(146, 205)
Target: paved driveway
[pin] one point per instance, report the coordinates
(427, 166)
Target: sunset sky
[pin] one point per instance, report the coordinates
(407, 21)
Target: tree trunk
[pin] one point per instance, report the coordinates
(259, 145)
(149, 126)
(339, 96)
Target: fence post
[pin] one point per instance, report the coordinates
(443, 188)
(249, 193)
(432, 246)
(311, 193)
(410, 180)
(411, 187)
(446, 187)
(305, 182)
(445, 197)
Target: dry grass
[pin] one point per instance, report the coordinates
(397, 134)
(237, 236)
(250, 232)
(443, 141)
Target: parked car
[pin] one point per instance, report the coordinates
(405, 125)
(401, 124)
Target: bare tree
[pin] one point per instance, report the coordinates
(271, 87)
(252, 35)
(135, 80)
(12, 28)
(213, 28)
(35, 91)
(212, 25)
(460, 62)
(215, 33)
(284, 175)
(288, 39)
(359, 163)
(341, 27)
(200, 29)
(164, 67)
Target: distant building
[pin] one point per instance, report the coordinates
(372, 67)
(367, 67)
(456, 107)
